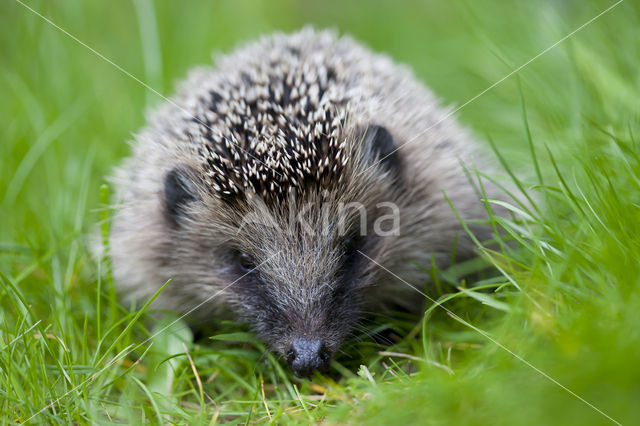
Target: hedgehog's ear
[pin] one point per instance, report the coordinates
(179, 190)
(382, 147)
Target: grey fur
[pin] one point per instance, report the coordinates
(281, 123)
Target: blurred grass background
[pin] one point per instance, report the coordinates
(66, 115)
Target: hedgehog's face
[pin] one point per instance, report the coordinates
(296, 267)
(301, 289)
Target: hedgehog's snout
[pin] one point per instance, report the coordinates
(305, 356)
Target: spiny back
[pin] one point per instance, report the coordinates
(271, 119)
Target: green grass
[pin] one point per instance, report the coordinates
(565, 295)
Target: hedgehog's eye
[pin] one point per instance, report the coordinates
(245, 262)
(350, 247)
(351, 260)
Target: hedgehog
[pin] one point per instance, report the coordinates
(299, 182)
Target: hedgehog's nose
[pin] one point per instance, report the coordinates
(307, 355)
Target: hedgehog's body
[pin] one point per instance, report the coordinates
(251, 166)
